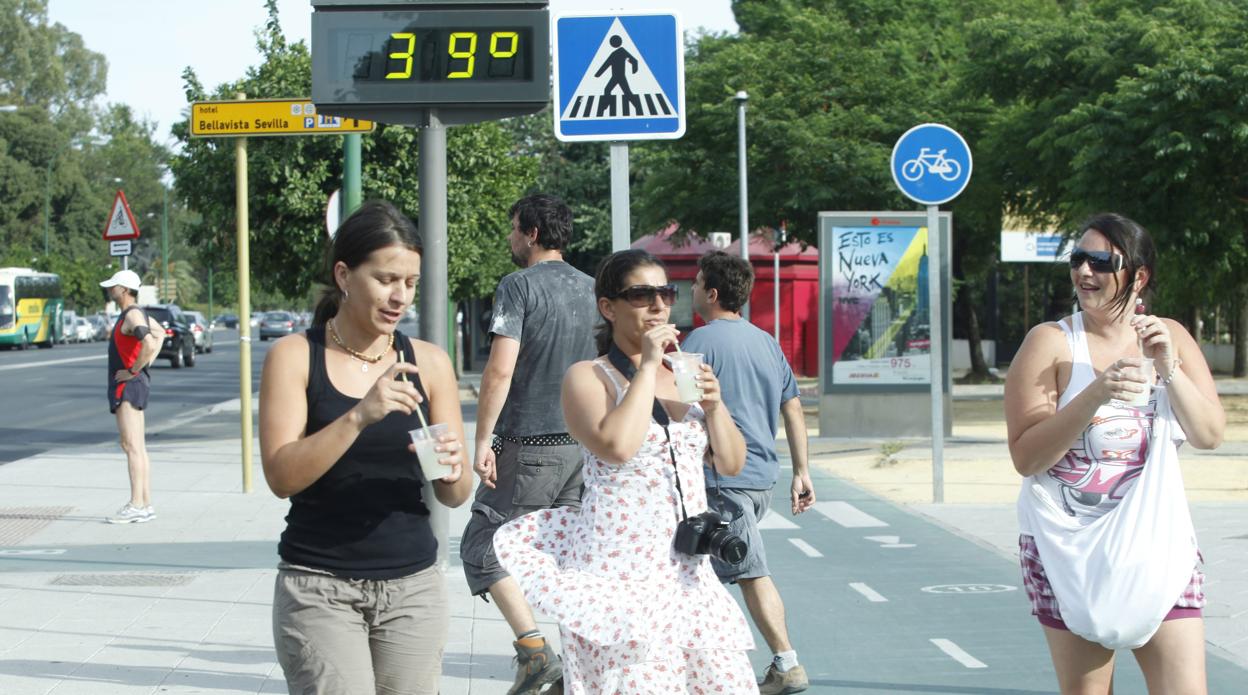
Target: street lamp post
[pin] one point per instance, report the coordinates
(741, 98)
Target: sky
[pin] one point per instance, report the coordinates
(148, 43)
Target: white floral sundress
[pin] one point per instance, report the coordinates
(635, 616)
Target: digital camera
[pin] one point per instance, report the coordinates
(707, 534)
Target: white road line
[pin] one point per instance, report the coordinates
(958, 653)
(775, 522)
(871, 594)
(847, 515)
(47, 363)
(805, 547)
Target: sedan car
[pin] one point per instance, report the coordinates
(227, 320)
(101, 324)
(84, 332)
(201, 330)
(179, 345)
(276, 324)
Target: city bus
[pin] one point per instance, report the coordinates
(30, 308)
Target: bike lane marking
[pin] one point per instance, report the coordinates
(847, 515)
(805, 547)
(957, 653)
(872, 595)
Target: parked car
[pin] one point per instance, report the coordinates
(68, 332)
(227, 320)
(101, 325)
(201, 330)
(276, 324)
(179, 345)
(84, 332)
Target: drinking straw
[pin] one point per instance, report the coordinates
(423, 423)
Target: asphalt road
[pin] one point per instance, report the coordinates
(56, 398)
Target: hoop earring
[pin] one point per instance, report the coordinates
(530, 243)
(345, 295)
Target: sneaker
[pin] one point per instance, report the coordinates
(130, 514)
(151, 512)
(535, 667)
(777, 682)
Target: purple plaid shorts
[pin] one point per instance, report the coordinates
(1044, 603)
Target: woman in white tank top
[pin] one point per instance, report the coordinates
(1085, 453)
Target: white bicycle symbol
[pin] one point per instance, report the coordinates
(947, 169)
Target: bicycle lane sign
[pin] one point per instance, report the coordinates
(931, 164)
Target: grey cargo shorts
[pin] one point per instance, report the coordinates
(529, 478)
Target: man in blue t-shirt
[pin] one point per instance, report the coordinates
(758, 387)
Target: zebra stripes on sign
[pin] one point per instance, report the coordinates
(598, 106)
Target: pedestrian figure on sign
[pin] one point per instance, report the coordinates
(617, 61)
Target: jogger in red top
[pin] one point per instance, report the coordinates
(134, 341)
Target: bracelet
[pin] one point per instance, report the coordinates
(1173, 370)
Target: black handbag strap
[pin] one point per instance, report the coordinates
(625, 366)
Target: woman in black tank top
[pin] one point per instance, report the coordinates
(359, 603)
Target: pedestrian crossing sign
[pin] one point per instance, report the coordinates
(619, 77)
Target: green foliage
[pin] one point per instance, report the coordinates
(577, 172)
(1132, 107)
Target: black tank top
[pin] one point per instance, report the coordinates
(364, 518)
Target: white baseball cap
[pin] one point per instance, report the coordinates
(126, 278)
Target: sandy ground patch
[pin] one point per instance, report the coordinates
(978, 469)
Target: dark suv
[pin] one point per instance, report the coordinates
(179, 345)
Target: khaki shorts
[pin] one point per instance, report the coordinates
(529, 478)
(360, 636)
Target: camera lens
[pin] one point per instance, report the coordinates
(727, 547)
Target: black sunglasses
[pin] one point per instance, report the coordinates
(1098, 261)
(643, 295)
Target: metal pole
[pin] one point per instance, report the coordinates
(164, 241)
(434, 279)
(621, 237)
(935, 341)
(744, 231)
(47, 212)
(351, 173)
(244, 301)
(781, 237)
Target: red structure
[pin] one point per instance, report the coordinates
(799, 289)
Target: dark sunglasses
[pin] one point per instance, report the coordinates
(1098, 261)
(643, 295)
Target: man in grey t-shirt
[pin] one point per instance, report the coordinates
(758, 387)
(543, 322)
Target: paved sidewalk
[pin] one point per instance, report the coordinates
(177, 605)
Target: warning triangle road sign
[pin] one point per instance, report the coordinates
(618, 83)
(121, 224)
(618, 77)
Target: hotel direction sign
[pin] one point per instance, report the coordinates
(261, 117)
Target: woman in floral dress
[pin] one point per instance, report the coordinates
(635, 615)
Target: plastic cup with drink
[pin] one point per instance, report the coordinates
(425, 439)
(686, 366)
(1145, 371)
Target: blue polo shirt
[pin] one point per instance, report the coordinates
(756, 379)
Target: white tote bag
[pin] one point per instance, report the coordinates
(1116, 577)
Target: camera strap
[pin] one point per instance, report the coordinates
(625, 366)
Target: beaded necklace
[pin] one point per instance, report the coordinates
(363, 359)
